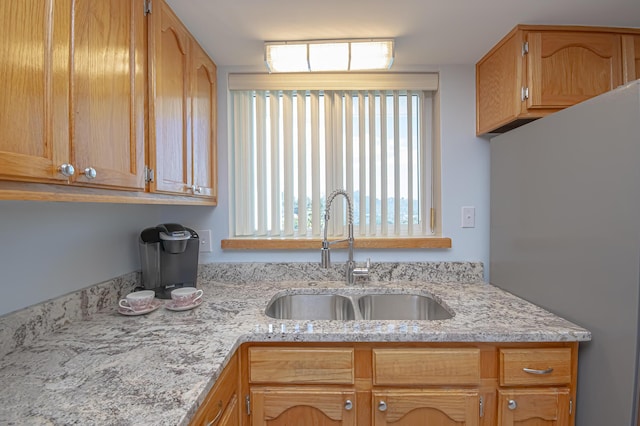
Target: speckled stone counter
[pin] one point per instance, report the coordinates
(157, 368)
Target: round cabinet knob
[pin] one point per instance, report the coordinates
(348, 405)
(512, 405)
(90, 173)
(382, 406)
(67, 170)
(198, 189)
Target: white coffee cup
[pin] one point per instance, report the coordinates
(138, 300)
(186, 296)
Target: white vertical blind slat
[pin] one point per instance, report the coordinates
(410, 194)
(373, 158)
(362, 163)
(337, 167)
(384, 226)
(287, 130)
(429, 167)
(348, 130)
(261, 163)
(301, 103)
(396, 160)
(274, 184)
(315, 162)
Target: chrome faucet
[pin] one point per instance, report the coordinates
(325, 256)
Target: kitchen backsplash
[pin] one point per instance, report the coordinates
(27, 325)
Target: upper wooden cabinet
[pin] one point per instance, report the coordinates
(107, 93)
(537, 70)
(182, 109)
(74, 102)
(72, 92)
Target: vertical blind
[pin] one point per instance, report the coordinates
(289, 149)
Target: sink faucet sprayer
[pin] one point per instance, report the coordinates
(325, 257)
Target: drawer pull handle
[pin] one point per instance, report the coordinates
(382, 406)
(534, 371)
(348, 405)
(217, 417)
(512, 404)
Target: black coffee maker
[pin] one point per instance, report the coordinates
(169, 258)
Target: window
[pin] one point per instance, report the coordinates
(293, 143)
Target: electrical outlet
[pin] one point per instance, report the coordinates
(469, 217)
(205, 241)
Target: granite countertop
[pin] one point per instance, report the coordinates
(156, 369)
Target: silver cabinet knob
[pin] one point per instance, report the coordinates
(67, 170)
(382, 406)
(512, 404)
(198, 189)
(90, 173)
(348, 405)
(195, 188)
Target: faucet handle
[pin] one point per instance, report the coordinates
(362, 271)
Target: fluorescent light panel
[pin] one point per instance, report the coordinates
(329, 55)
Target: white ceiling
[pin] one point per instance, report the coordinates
(427, 32)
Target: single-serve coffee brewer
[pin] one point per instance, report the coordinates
(169, 258)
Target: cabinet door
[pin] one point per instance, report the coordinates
(534, 407)
(631, 57)
(203, 122)
(34, 89)
(170, 145)
(302, 407)
(107, 93)
(424, 407)
(230, 417)
(564, 68)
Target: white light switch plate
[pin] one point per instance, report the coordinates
(469, 217)
(205, 241)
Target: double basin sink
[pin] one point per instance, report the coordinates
(367, 306)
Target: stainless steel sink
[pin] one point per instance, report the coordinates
(401, 307)
(355, 307)
(311, 307)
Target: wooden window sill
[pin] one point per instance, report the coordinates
(316, 243)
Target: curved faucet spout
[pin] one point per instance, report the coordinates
(325, 260)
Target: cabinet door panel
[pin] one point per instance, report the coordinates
(34, 88)
(534, 407)
(567, 68)
(170, 146)
(422, 407)
(203, 112)
(108, 92)
(301, 407)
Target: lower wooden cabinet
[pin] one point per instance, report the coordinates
(407, 384)
(220, 407)
(275, 406)
(426, 407)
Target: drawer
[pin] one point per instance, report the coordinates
(301, 365)
(426, 366)
(532, 367)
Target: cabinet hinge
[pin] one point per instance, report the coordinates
(525, 48)
(148, 174)
(570, 406)
(147, 7)
(481, 407)
(247, 404)
(525, 94)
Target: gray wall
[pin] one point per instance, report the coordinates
(50, 249)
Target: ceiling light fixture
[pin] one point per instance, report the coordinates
(329, 55)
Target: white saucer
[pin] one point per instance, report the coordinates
(172, 306)
(154, 305)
